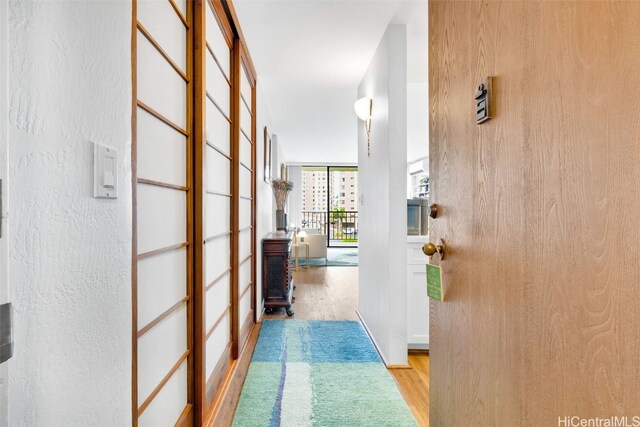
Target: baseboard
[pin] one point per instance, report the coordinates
(373, 340)
(260, 314)
(418, 347)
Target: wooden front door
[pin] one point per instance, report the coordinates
(539, 210)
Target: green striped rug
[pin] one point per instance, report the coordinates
(318, 373)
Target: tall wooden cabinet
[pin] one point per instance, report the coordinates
(277, 265)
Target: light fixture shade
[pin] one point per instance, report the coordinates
(302, 234)
(363, 108)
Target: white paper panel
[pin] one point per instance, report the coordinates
(218, 44)
(217, 343)
(218, 87)
(159, 86)
(245, 275)
(217, 215)
(245, 152)
(162, 151)
(218, 129)
(164, 25)
(218, 299)
(245, 244)
(217, 257)
(162, 282)
(168, 405)
(245, 87)
(162, 216)
(245, 182)
(245, 213)
(245, 306)
(245, 120)
(182, 5)
(218, 172)
(159, 349)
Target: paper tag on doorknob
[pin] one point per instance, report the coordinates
(434, 282)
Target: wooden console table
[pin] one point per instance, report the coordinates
(277, 277)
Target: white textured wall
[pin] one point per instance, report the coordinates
(4, 289)
(382, 270)
(264, 194)
(70, 254)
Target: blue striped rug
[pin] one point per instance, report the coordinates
(318, 373)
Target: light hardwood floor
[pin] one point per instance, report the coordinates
(331, 293)
(414, 386)
(324, 293)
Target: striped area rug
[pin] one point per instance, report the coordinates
(318, 373)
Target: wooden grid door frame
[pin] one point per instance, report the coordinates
(203, 400)
(246, 67)
(209, 391)
(139, 29)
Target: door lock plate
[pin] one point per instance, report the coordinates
(6, 332)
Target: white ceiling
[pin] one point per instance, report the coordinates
(310, 56)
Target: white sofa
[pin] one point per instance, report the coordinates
(317, 246)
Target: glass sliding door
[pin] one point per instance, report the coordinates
(315, 200)
(330, 203)
(343, 206)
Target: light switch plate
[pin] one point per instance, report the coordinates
(105, 176)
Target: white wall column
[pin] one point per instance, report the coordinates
(382, 270)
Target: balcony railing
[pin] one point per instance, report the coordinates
(341, 227)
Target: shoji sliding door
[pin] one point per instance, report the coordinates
(246, 280)
(226, 185)
(216, 175)
(194, 202)
(162, 392)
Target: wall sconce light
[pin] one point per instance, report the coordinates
(364, 110)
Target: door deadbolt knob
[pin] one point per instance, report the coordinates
(433, 210)
(429, 249)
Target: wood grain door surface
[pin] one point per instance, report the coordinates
(540, 210)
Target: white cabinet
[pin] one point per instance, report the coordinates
(417, 300)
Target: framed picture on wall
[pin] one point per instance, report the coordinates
(267, 156)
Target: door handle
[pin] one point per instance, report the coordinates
(429, 249)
